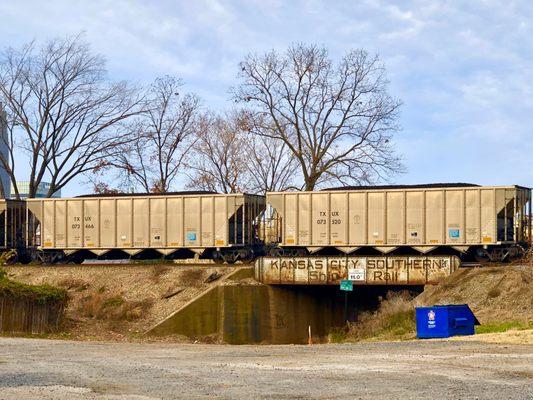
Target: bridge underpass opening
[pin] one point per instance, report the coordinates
(269, 314)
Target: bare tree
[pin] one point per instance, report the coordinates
(161, 138)
(62, 111)
(337, 120)
(228, 159)
(219, 160)
(270, 165)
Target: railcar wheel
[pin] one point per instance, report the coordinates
(516, 252)
(248, 256)
(481, 255)
(217, 256)
(230, 257)
(35, 257)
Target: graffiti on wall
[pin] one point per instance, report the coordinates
(416, 270)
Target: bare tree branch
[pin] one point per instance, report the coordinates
(160, 138)
(64, 113)
(218, 161)
(270, 164)
(337, 121)
(228, 159)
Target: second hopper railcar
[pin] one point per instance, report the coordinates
(493, 222)
(218, 226)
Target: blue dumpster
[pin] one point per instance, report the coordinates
(445, 321)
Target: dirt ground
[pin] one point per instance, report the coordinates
(48, 369)
(495, 294)
(512, 336)
(119, 302)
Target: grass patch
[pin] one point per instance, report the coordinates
(494, 292)
(135, 335)
(503, 327)
(394, 319)
(191, 277)
(337, 335)
(115, 301)
(78, 285)
(115, 308)
(41, 294)
(48, 335)
(528, 257)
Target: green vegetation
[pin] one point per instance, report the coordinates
(114, 308)
(503, 326)
(48, 335)
(399, 325)
(494, 292)
(114, 301)
(393, 320)
(528, 257)
(78, 285)
(42, 294)
(8, 257)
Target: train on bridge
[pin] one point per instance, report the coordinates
(486, 223)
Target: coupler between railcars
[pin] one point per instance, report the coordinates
(245, 254)
(46, 256)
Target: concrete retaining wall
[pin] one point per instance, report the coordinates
(240, 314)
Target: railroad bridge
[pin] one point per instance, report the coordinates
(330, 270)
(300, 296)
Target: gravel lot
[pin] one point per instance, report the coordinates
(46, 369)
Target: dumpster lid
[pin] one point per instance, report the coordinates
(476, 321)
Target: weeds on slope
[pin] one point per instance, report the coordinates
(496, 327)
(528, 257)
(99, 306)
(393, 320)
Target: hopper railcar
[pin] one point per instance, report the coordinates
(489, 223)
(218, 226)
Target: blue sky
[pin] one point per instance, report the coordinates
(463, 69)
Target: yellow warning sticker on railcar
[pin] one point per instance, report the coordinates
(47, 244)
(219, 242)
(290, 241)
(487, 239)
